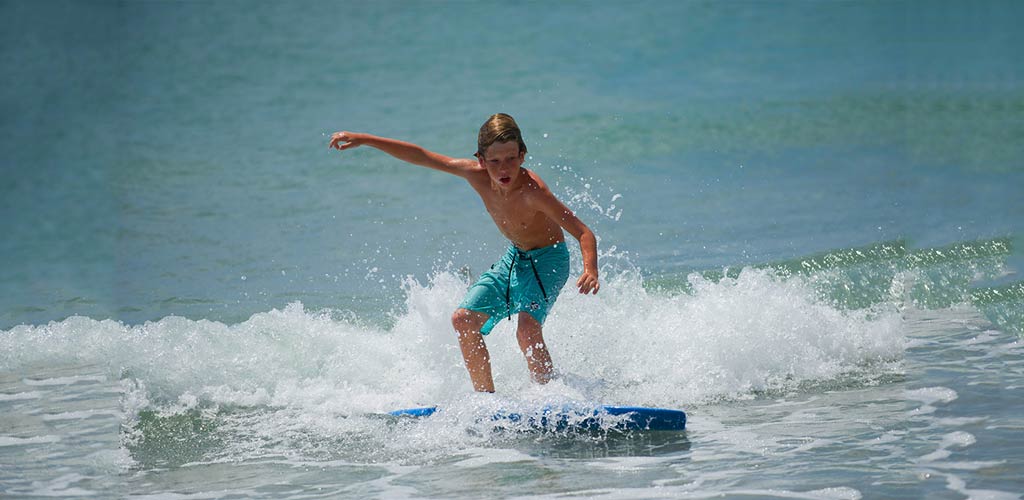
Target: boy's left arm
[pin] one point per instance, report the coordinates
(558, 212)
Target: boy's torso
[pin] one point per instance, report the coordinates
(525, 226)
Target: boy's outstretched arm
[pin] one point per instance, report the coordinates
(547, 203)
(405, 151)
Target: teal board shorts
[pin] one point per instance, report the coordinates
(522, 281)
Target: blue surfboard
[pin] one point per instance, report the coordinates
(568, 417)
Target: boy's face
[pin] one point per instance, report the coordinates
(502, 161)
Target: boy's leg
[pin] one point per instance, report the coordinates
(531, 342)
(474, 352)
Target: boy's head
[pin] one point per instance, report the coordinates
(499, 128)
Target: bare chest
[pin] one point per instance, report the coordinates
(511, 214)
(517, 218)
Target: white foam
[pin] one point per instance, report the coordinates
(63, 380)
(62, 487)
(958, 485)
(958, 439)
(932, 395)
(834, 493)
(17, 441)
(624, 346)
(485, 456)
(79, 415)
(755, 332)
(21, 396)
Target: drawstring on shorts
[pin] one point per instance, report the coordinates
(508, 285)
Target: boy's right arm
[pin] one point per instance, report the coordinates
(405, 151)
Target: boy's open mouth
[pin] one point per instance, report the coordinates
(504, 180)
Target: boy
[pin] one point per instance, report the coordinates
(529, 277)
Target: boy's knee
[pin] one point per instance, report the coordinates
(462, 318)
(530, 337)
(458, 316)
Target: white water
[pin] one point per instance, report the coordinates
(300, 372)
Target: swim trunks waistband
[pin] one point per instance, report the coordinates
(536, 251)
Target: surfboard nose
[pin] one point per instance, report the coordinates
(425, 411)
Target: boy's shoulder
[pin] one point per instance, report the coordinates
(535, 182)
(536, 192)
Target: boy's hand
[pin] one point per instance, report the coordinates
(588, 282)
(344, 140)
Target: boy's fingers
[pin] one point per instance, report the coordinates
(336, 140)
(337, 144)
(587, 284)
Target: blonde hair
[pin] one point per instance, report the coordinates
(499, 128)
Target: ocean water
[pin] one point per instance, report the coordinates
(809, 219)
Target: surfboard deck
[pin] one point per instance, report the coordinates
(625, 418)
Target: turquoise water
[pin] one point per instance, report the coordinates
(810, 221)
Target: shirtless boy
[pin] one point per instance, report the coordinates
(527, 279)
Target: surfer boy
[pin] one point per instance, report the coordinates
(528, 278)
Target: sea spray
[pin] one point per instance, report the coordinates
(730, 338)
(313, 384)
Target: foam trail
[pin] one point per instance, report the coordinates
(730, 338)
